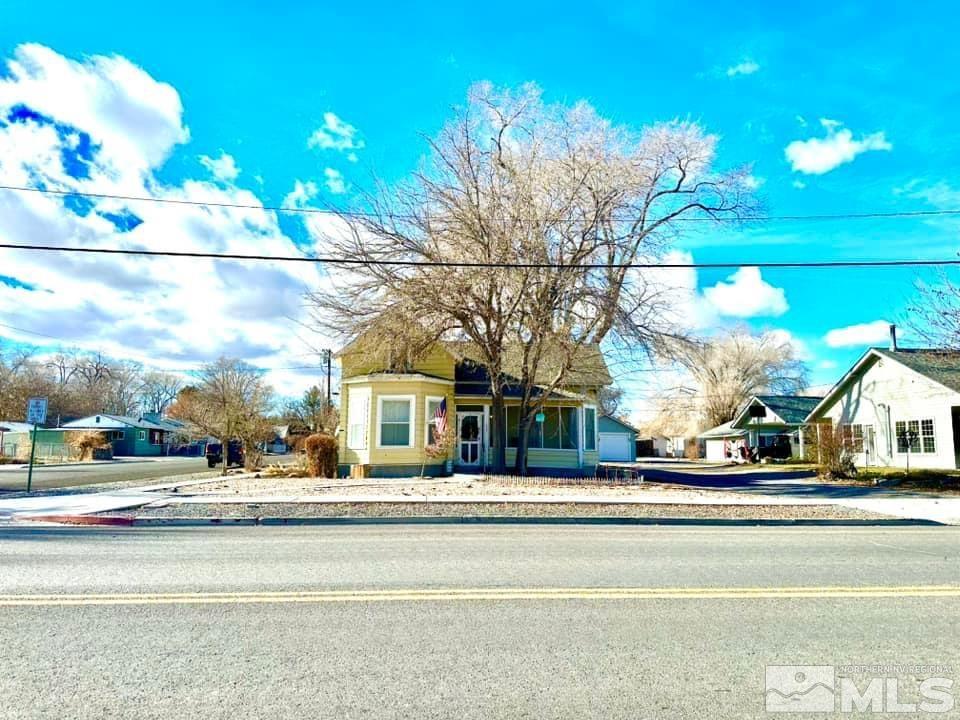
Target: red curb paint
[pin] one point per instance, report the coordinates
(121, 520)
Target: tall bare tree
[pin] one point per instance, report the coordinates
(722, 373)
(229, 401)
(524, 222)
(934, 315)
(158, 390)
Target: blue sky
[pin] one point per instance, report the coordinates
(871, 81)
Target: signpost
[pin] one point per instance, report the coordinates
(36, 416)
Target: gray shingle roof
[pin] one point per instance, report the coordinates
(589, 366)
(942, 366)
(792, 408)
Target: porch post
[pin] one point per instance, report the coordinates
(802, 457)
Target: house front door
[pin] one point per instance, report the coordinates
(470, 437)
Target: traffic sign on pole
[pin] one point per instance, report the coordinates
(37, 411)
(36, 416)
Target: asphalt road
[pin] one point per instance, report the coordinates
(458, 622)
(63, 476)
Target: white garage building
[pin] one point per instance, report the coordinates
(618, 440)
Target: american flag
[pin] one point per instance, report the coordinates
(440, 417)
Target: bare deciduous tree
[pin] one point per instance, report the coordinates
(934, 316)
(525, 220)
(722, 374)
(158, 390)
(229, 401)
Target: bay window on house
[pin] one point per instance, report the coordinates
(395, 420)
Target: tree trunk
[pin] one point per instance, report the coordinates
(498, 433)
(523, 438)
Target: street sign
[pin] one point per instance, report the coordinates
(541, 416)
(37, 411)
(36, 416)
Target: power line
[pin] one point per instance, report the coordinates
(359, 213)
(788, 265)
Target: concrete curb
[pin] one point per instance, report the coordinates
(126, 521)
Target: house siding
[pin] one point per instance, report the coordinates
(437, 362)
(909, 396)
(373, 455)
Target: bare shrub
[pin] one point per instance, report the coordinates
(322, 455)
(85, 442)
(832, 448)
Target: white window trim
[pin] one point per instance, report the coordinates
(428, 418)
(596, 429)
(355, 395)
(919, 420)
(412, 401)
(141, 435)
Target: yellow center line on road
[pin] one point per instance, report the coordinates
(501, 594)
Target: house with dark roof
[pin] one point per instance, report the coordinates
(898, 407)
(135, 436)
(774, 424)
(389, 410)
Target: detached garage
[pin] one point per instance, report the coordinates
(618, 440)
(723, 443)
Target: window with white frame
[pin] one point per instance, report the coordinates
(589, 428)
(430, 417)
(853, 437)
(142, 435)
(358, 413)
(395, 420)
(916, 436)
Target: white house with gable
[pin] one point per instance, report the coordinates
(899, 407)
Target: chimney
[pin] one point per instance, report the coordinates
(893, 337)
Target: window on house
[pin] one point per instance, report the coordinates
(589, 428)
(395, 417)
(853, 437)
(358, 411)
(558, 431)
(142, 435)
(916, 436)
(431, 420)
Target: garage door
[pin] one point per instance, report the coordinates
(616, 447)
(715, 450)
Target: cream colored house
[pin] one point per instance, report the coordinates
(898, 407)
(387, 413)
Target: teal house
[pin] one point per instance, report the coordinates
(129, 436)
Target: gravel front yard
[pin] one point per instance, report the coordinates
(415, 509)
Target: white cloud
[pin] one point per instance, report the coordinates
(104, 125)
(753, 182)
(334, 181)
(871, 333)
(223, 168)
(302, 193)
(747, 294)
(744, 67)
(335, 134)
(799, 184)
(817, 156)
